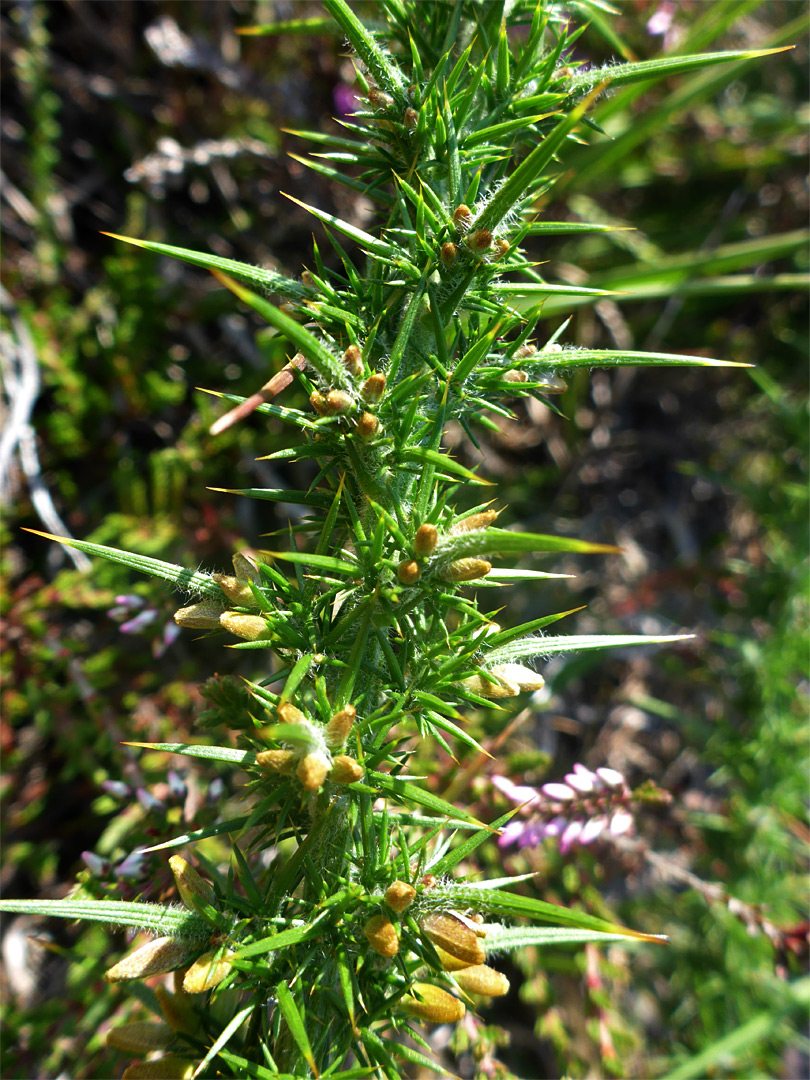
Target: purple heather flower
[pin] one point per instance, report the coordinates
(589, 805)
(133, 867)
(139, 622)
(117, 788)
(177, 786)
(149, 802)
(661, 20)
(97, 866)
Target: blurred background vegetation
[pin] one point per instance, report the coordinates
(154, 119)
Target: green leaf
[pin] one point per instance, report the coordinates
(518, 937)
(190, 580)
(547, 646)
(320, 562)
(159, 920)
(404, 791)
(424, 454)
(209, 753)
(366, 241)
(295, 1023)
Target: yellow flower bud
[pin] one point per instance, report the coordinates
(312, 770)
(177, 1011)
(425, 540)
(373, 388)
(190, 885)
(382, 936)
(449, 963)
(462, 216)
(448, 253)
(154, 958)
(480, 240)
(289, 714)
(367, 425)
(475, 521)
(201, 616)
(515, 375)
(433, 1004)
(345, 770)
(399, 895)
(483, 980)
(318, 402)
(501, 247)
(307, 279)
(247, 627)
(353, 359)
(337, 730)
(410, 118)
(408, 572)
(206, 972)
(455, 936)
(466, 570)
(338, 403)
(379, 99)
(163, 1069)
(236, 592)
(141, 1037)
(277, 761)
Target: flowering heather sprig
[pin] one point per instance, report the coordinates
(589, 805)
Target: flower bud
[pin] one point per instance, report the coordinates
(382, 936)
(501, 247)
(287, 713)
(379, 99)
(277, 761)
(373, 388)
(353, 359)
(345, 770)
(448, 253)
(480, 979)
(318, 403)
(425, 540)
(337, 730)
(167, 1068)
(525, 350)
(177, 1010)
(408, 572)
(367, 425)
(206, 972)
(190, 885)
(462, 217)
(433, 1004)
(552, 385)
(475, 521)
(140, 1037)
(247, 627)
(525, 678)
(154, 958)
(410, 118)
(515, 375)
(312, 770)
(480, 240)
(202, 616)
(237, 592)
(450, 963)
(307, 279)
(454, 936)
(399, 895)
(466, 570)
(338, 403)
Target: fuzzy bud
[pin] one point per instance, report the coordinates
(425, 540)
(177, 1010)
(525, 350)
(154, 958)
(462, 217)
(318, 402)
(165, 1068)
(382, 936)
(448, 253)
(399, 895)
(501, 247)
(367, 425)
(379, 99)
(202, 616)
(140, 1037)
(475, 521)
(307, 279)
(206, 972)
(373, 388)
(277, 761)
(432, 1004)
(552, 385)
(338, 403)
(408, 572)
(193, 889)
(480, 241)
(455, 936)
(410, 118)
(247, 627)
(337, 730)
(312, 770)
(515, 375)
(237, 592)
(345, 770)
(353, 359)
(450, 963)
(480, 979)
(466, 570)
(287, 713)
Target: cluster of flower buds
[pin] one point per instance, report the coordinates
(587, 806)
(549, 384)
(312, 759)
(426, 541)
(503, 680)
(368, 391)
(211, 614)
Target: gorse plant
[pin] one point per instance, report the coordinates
(349, 914)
